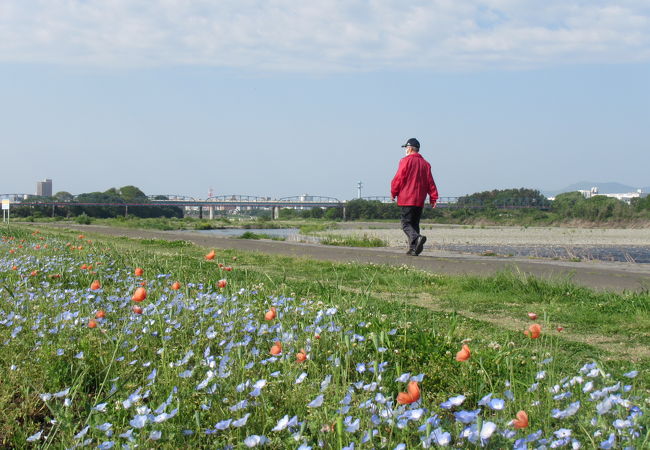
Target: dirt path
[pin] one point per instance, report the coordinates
(593, 274)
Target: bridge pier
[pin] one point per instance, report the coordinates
(211, 212)
(200, 212)
(276, 213)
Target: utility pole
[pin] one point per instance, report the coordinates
(359, 186)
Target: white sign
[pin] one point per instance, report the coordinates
(5, 204)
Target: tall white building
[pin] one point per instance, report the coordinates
(44, 188)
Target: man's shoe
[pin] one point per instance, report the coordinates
(420, 245)
(411, 252)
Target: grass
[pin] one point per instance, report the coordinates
(352, 241)
(251, 235)
(195, 354)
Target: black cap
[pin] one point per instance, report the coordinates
(412, 143)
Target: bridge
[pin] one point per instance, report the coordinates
(237, 201)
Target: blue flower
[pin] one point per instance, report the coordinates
(255, 440)
(317, 402)
(224, 424)
(609, 443)
(570, 411)
(467, 416)
(631, 374)
(35, 437)
(453, 401)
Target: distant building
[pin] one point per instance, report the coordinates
(44, 188)
(624, 197)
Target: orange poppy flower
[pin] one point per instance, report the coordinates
(301, 356)
(34, 273)
(100, 314)
(532, 316)
(139, 272)
(210, 256)
(228, 269)
(137, 309)
(559, 328)
(38, 246)
(276, 349)
(12, 251)
(83, 267)
(222, 283)
(14, 267)
(411, 395)
(139, 295)
(533, 331)
(464, 354)
(92, 323)
(81, 236)
(176, 286)
(270, 314)
(95, 285)
(521, 421)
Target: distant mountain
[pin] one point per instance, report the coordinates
(603, 188)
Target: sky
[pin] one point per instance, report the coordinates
(280, 98)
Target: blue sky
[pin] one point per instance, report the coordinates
(269, 98)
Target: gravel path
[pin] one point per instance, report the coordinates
(593, 274)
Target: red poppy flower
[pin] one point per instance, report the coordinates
(533, 331)
(137, 309)
(532, 316)
(411, 395)
(95, 285)
(222, 283)
(464, 354)
(521, 421)
(100, 314)
(176, 286)
(210, 256)
(139, 295)
(276, 349)
(301, 356)
(139, 272)
(92, 323)
(270, 314)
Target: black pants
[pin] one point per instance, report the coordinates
(411, 223)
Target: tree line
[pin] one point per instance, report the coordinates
(499, 205)
(126, 194)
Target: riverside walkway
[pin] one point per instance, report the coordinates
(611, 276)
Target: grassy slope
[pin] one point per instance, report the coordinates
(433, 315)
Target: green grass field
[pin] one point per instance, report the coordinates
(194, 368)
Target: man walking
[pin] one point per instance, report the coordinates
(411, 184)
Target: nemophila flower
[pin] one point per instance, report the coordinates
(453, 401)
(631, 374)
(82, 433)
(106, 445)
(326, 382)
(609, 443)
(440, 437)
(403, 378)
(35, 437)
(317, 402)
(568, 412)
(467, 416)
(361, 367)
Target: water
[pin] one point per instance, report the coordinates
(621, 253)
(234, 232)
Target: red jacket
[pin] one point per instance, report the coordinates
(413, 181)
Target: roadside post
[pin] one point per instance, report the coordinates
(5, 211)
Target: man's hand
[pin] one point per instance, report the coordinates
(433, 204)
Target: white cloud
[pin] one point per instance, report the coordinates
(326, 35)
